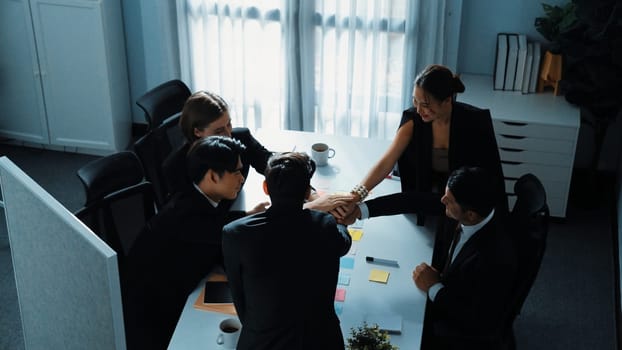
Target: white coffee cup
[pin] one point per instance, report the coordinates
(229, 333)
(321, 153)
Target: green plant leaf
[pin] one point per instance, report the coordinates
(369, 337)
(557, 19)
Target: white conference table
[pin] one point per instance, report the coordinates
(393, 237)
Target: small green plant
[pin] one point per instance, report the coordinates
(369, 337)
(556, 20)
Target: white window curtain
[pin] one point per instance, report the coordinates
(329, 66)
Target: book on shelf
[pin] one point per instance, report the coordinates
(502, 55)
(535, 67)
(527, 75)
(510, 71)
(520, 62)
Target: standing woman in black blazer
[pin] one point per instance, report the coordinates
(435, 137)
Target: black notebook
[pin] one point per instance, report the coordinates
(217, 292)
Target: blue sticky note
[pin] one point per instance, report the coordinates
(346, 262)
(344, 279)
(338, 307)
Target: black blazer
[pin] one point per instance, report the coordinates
(175, 170)
(471, 143)
(282, 267)
(478, 286)
(179, 246)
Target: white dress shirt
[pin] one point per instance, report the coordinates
(467, 233)
(211, 201)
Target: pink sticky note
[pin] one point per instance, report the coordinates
(340, 294)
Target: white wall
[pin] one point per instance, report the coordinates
(151, 46)
(483, 19)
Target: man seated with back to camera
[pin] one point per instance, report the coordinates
(183, 242)
(282, 265)
(469, 291)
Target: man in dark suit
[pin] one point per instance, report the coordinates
(282, 265)
(468, 294)
(182, 242)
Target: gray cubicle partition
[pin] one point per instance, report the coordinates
(619, 221)
(67, 278)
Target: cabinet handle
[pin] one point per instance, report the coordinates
(509, 162)
(513, 137)
(511, 149)
(514, 123)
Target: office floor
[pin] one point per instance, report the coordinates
(571, 305)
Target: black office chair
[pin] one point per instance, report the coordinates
(119, 200)
(529, 223)
(153, 149)
(163, 101)
(109, 174)
(119, 204)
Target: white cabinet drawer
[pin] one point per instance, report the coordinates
(543, 172)
(535, 144)
(526, 156)
(506, 127)
(535, 133)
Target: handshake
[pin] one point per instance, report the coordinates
(343, 206)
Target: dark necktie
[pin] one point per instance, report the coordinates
(452, 248)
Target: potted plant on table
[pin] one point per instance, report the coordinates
(369, 337)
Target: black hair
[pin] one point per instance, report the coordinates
(439, 82)
(473, 189)
(288, 176)
(219, 153)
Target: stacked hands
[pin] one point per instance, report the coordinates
(348, 212)
(343, 206)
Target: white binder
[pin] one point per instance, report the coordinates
(520, 63)
(528, 62)
(502, 56)
(535, 67)
(510, 71)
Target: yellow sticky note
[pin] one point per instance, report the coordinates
(356, 233)
(379, 276)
